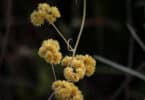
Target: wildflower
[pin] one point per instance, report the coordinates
(89, 63)
(75, 69)
(65, 90)
(50, 51)
(66, 61)
(74, 74)
(44, 12)
(44, 7)
(53, 57)
(37, 18)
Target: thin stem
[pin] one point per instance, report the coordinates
(136, 37)
(120, 67)
(81, 29)
(51, 95)
(61, 35)
(125, 83)
(53, 70)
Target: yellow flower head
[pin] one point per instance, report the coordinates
(50, 51)
(66, 61)
(44, 7)
(65, 90)
(44, 12)
(55, 12)
(89, 63)
(37, 18)
(53, 57)
(74, 74)
(75, 69)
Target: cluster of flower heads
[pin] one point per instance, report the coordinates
(78, 66)
(44, 12)
(65, 90)
(49, 50)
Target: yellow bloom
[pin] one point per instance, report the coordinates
(37, 18)
(50, 51)
(65, 90)
(51, 42)
(44, 7)
(89, 63)
(53, 57)
(55, 12)
(66, 61)
(44, 13)
(75, 69)
(74, 74)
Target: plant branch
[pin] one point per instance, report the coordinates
(136, 37)
(53, 70)
(120, 67)
(61, 35)
(81, 29)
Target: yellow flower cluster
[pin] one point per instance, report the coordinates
(77, 67)
(65, 90)
(44, 12)
(49, 50)
(89, 62)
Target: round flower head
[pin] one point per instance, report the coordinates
(74, 74)
(50, 51)
(53, 57)
(43, 13)
(44, 7)
(65, 90)
(55, 12)
(75, 69)
(37, 18)
(89, 63)
(66, 61)
(51, 42)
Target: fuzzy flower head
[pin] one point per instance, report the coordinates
(49, 50)
(37, 18)
(65, 90)
(75, 69)
(89, 63)
(44, 12)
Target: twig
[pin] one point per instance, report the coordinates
(136, 37)
(53, 70)
(81, 29)
(120, 67)
(61, 35)
(51, 95)
(125, 83)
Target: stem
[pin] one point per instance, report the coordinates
(81, 29)
(136, 37)
(61, 35)
(120, 67)
(51, 95)
(54, 75)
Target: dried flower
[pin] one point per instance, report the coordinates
(65, 90)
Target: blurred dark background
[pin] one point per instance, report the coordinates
(25, 76)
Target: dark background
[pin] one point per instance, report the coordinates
(25, 76)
